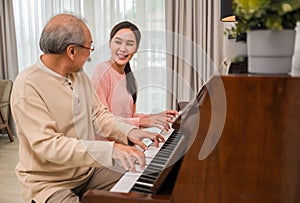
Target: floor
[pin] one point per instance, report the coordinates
(9, 185)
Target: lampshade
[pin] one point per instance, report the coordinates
(226, 11)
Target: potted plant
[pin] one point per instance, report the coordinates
(270, 27)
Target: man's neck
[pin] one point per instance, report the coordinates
(55, 63)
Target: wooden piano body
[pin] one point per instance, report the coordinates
(257, 156)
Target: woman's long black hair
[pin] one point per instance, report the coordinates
(130, 79)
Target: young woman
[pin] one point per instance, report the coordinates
(116, 85)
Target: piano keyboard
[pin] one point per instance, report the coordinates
(157, 159)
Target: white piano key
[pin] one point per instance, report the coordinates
(145, 184)
(127, 181)
(148, 160)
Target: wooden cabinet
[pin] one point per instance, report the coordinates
(257, 157)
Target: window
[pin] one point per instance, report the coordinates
(148, 65)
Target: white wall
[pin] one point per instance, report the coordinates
(231, 49)
(296, 58)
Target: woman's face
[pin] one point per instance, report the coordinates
(123, 46)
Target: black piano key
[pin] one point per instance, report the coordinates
(146, 181)
(150, 175)
(141, 188)
(158, 162)
(153, 175)
(167, 151)
(163, 155)
(155, 167)
(161, 158)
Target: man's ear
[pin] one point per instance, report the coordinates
(71, 51)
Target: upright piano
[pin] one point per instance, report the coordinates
(241, 143)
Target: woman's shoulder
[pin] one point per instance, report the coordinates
(103, 66)
(101, 69)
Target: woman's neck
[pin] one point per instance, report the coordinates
(119, 68)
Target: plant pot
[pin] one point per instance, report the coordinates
(270, 52)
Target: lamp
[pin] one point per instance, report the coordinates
(236, 45)
(226, 11)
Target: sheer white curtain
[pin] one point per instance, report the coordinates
(30, 17)
(8, 49)
(194, 51)
(101, 15)
(149, 63)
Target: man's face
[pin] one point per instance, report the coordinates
(82, 52)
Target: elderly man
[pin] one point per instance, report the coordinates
(57, 115)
